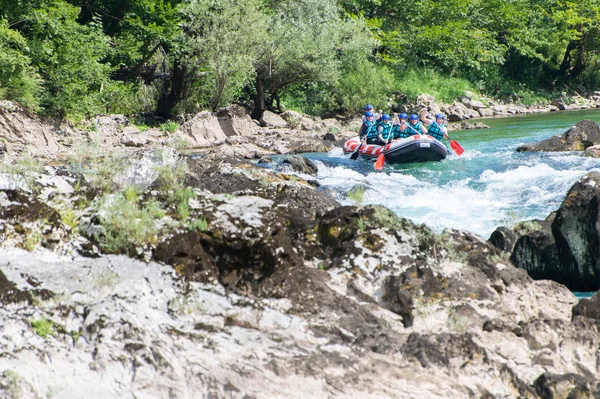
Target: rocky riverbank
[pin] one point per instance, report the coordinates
(138, 271)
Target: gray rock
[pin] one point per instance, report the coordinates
(300, 164)
(568, 251)
(204, 130)
(270, 119)
(592, 152)
(579, 137)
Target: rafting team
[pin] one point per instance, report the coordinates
(380, 129)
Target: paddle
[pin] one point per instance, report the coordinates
(354, 155)
(381, 158)
(415, 130)
(453, 143)
(380, 161)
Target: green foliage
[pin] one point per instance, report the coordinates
(179, 143)
(23, 169)
(98, 164)
(43, 327)
(171, 177)
(182, 199)
(69, 57)
(77, 59)
(128, 225)
(11, 384)
(417, 81)
(224, 36)
(122, 98)
(18, 79)
(169, 127)
(68, 216)
(32, 241)
(364, 82)
(200, 224)
(356, 194)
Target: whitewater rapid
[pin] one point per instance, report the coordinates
(477, 192)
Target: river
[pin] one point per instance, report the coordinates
(488, 186)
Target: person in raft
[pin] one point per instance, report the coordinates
(415, 126)
(366, 127)
(401, 129)
(382, 134)
(436, 129)
(376, 115)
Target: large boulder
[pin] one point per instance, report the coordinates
(579, 137)
(204, 130)
(458, 112)
(569, 251)
(235, 121)
(271, 119)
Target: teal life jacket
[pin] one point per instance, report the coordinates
(435, 131)
(402, 133)
(386, 133)
(415, 129)
(366, 127)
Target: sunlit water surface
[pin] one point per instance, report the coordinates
(488, 186)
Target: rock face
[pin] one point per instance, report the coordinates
(282, 292)
(23, 131)
(579, 137)
(565, 247)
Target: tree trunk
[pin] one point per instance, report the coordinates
(580, 60)
(565, 65)
(567, 68)
(172, 93)
(259, 99)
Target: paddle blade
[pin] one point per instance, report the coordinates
(380, 161)
(456, 147)
(354, 154)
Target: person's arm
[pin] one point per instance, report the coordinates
(445, 131)
(424, 129)
(426, 121)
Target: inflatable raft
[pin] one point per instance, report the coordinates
(422, 148)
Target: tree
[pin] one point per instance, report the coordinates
(224, 38)
(67, 55)
(304, 43)
(18, 80)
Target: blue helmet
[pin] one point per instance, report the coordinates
(385, 117)
(414, 117)
(403, 116)
(368, 107)
(369, 114)
(440, 116)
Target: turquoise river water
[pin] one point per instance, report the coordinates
(488, 186)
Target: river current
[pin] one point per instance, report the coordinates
(488, 186)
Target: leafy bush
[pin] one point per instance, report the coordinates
(414, 82)
(128, 224)
(169, 127)
(43, 327)
(122, 98)
(18, 80)
(99, 165)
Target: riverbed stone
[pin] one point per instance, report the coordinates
(300, 164)
(568, 251)
(592, 151)
(271, 119)
(584, 134)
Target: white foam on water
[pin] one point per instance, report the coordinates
(476, 204)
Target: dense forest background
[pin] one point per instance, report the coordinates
(77, 58)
